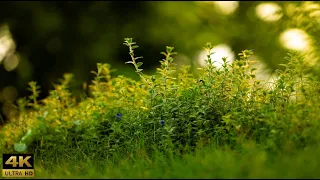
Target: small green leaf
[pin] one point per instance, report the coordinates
(169, 49)
(138, 58)
(139, 64)
(163, 53)
(128, 40)
(129, 62)
(253, 69)
(20, 147)
(93, 72)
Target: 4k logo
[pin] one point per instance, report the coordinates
(17, 165)
(22, 161)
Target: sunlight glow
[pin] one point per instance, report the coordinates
(227, 7)
(311, 6)
(263, 73)
(221, 50)
(313, 9)
(295, 39)
(269, 12)
(7, 45)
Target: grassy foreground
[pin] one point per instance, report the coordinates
(214, 123)
(206, 163)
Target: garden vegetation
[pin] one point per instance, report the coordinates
(211, 123)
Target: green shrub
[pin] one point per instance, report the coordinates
(174, 111)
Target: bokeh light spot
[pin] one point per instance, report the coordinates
(11, 62)
(269, 12)
(220, 51)
(295, 39)
(9, 93)
(226, 7)
(7, 45)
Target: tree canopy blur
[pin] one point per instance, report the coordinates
(40, 41)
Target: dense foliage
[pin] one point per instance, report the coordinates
(173, 112)
(76, 36)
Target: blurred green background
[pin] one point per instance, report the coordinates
(40, 41)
